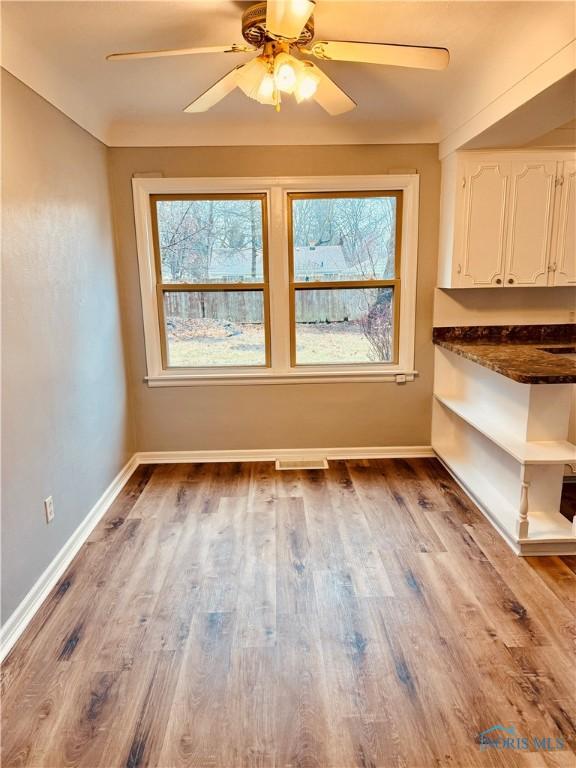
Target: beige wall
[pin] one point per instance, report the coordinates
(64, 406)
(278, 416)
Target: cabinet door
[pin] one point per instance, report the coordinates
(531, 205)
(483, 221)
(564, 255)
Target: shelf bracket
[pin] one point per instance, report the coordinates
(522, 522)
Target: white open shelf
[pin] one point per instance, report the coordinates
(549, 527)
(505, 442)
(467, 461)
(525, 452)
(511, 412)
(483, 492)
(543, 527)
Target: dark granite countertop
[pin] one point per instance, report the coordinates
(517, 352)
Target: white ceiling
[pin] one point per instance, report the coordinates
(538, 120)
(561, 137)
(59, 49)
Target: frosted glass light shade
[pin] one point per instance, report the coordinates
(307, 84)
(251, 76)
(266, 91)
(286, 72)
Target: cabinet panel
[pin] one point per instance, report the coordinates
(508, 218)
(564, 259)
(484, 221)
(532, 187)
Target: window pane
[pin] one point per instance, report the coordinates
(344, 238)
(344, 325)
(215, 328)
(210, 241)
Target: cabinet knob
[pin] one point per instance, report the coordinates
(498, 281)
(510, 280)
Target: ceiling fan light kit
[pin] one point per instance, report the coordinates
(274, 73)
(280, 27)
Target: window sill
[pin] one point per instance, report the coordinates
(299, 377)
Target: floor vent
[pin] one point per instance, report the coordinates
(319, 463)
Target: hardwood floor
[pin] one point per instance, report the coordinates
(229, 615)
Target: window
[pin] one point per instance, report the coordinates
(278, 280)
(345, 286)
(211, 276)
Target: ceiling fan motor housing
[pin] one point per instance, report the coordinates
(254, 27)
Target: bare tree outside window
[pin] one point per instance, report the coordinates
(351, 239)
(206, 241)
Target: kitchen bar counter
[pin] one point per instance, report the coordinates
(517, 352)
(502, 433)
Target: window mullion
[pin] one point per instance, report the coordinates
(216, 287)
(278, 282)
(331, 284)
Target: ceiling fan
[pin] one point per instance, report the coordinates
(280, 27)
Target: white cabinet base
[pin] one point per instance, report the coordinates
(515, 481)
(562, 545)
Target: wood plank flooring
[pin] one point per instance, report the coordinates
(233, 616)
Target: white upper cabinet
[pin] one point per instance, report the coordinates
(564, 264)
(529, 226)
(482, 231)
(507, 220)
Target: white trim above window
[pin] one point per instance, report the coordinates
(276, 190)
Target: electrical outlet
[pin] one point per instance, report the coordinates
(49, 509)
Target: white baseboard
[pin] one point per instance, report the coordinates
(273, 454)
(19, 620)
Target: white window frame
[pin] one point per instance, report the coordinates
(276, 190)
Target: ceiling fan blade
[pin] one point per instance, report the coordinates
(181, 52)
(381, 53)
(286, 18)
(215, 93)
(330, 96)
